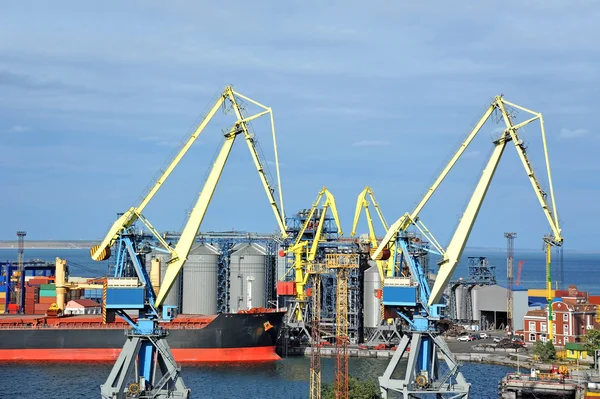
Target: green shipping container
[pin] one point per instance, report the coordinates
(47, 292)
(47, 286)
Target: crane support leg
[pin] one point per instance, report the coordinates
(145, 369)
(421, 376)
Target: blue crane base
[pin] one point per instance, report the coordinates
(145, 369)
(422, 378)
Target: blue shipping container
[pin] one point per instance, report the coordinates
(400, 296)
(125, 298)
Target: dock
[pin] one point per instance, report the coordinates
(538, 385)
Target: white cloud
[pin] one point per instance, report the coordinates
(370, 143)
(573, 133)
(18, 129)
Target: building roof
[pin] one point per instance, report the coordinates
(85, 303)
(574, 346)
(594, 299)
(536, 313)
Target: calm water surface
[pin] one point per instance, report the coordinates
(287, 378)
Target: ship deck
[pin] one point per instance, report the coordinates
(92, 321)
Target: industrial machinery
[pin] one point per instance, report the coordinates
(145, 367)
(304, 258)
(419, 305)
(378, 331)
(63, 284)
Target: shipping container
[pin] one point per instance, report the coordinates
(47, 287)
(44, 293)
(41, 308)
(286, 288)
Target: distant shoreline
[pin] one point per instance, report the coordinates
(62, 245)
(87, 244)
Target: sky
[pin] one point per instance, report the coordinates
(95, 99)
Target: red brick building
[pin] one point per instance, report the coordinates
(572, 318)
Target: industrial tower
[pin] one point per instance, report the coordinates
(315, 353)
(342, 263)
(510, 258)
(20, 264)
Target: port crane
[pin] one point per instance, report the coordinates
(145, 367)
(385, 331)
(419, 305)
(304, 259)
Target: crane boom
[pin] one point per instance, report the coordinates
(461, 235)
(458, 242)
(181, 251)
(404, 222)
(102, 251)
(192, 227)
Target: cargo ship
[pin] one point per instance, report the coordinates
(249, 335)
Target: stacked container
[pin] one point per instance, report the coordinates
(39, 295)
(47, 298)
(32, 297)
(2, 301)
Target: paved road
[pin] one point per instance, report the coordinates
(465, 347)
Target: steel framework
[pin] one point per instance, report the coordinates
(510, 258)
(342, 264)
(20, 261)
(315, 355)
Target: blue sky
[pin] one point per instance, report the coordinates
(96, 98)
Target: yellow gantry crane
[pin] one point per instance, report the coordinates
(429, 299)
(181, 251)
(304, 256)
(362, 202)
(385, 261)
(149, 335)
(452, 254)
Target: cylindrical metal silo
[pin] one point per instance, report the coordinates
(371, 303)
(475, 302)
(200, 280)
(460, 296)
(172, 298)
(247, 277)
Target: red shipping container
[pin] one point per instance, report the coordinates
(41, 308)
(47, 300)
(286, 288)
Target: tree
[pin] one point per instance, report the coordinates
(357, 389)
(545, 351)
(591, 341)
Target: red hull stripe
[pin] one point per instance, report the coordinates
(221, 355)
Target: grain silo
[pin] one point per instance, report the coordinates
(247, 277)
(200, 280)
(372, 297)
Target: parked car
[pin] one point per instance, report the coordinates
(497, 339)
(483, 335)
(465, 338)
